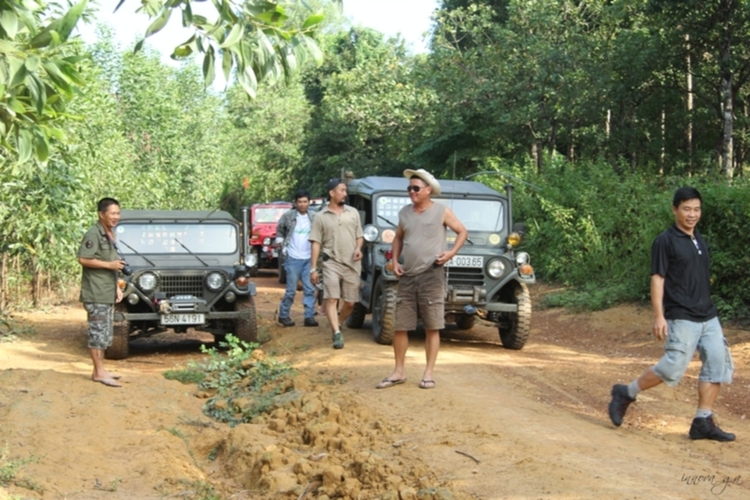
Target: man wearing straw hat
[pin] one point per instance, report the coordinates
(421, 239)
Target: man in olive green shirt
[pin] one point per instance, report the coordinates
(99, 291)
(337, 236)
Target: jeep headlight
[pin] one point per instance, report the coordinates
(522, 258)
(214, 281)
(147, 282)
(495, 268)
(370, 233)
(514, 239)
(266, 241)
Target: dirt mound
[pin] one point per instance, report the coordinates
(319, 444)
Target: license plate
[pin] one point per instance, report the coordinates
(465, 261)
(183, 319)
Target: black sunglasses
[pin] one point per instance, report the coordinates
(413, 188)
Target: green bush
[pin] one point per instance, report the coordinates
(241, 383)
(591, 226)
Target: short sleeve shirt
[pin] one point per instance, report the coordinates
(337, 235)
(684, 263)
(98, 285)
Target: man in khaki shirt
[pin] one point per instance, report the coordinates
(99, 291)
(337, 235)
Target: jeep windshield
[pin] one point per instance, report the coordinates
(476, 215)
(268, 215)
(201, 238)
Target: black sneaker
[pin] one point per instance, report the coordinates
(286, 321)
(619, 404)
(310, 322)
(706, 428)
(338, 340)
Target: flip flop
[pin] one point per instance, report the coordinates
(108, 382)
(426, 384)
(386, 383)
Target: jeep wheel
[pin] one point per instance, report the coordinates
(465, 321)
(357, 318)
(515, 332)
(246, 326)
(120, 346)
(384, 312)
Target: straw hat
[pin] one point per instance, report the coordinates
(425, 176)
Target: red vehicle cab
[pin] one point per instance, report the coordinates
(263, 220)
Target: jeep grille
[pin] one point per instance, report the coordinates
(181, 285)
(464, 276)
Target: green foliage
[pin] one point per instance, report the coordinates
(38, 75)
(11, 330)
(9, 469)
(591, 229)
(191, 375)
(242, 381)
(261, 40)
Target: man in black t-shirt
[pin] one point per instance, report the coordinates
(685, 317)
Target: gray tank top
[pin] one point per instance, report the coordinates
(424, 237)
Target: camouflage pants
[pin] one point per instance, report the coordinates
(101, 317)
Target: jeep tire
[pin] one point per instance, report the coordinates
(357, 318)
(515, 331)
(384, 311)
(120, 347)
(465, 321)
(246, 326)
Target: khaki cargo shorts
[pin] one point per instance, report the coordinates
(340, 282)
(101, 318)
(421, 296)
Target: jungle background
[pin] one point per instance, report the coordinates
(595, 110)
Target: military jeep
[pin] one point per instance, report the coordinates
(487, 279)
(186, 269)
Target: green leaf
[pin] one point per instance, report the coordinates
(159, 22)
(32, 63)
(208, 67)
(181, 52)
(25, 146)
(9, 22)
(70, 19)
(234, 36)
(17, 71)
(7, 47)
(187, 15)
(248, 81)
(41, 146)
(226, 64)
(274, 17)
(313, 20)
(36, 90)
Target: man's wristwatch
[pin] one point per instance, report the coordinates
(313, 270)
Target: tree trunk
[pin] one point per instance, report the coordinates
(689, 131)
(36, 282)
(3, 280)
(727, 159)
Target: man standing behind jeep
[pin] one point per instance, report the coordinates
(99, 291)
(293, 232)
(337, 236)
(421, 238)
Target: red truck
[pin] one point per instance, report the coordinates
(263, 220)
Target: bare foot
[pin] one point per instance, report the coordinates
(109, 382)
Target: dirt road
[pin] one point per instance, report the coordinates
(500, 424)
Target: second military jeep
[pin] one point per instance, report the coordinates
(487, 279)
(186, 269)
